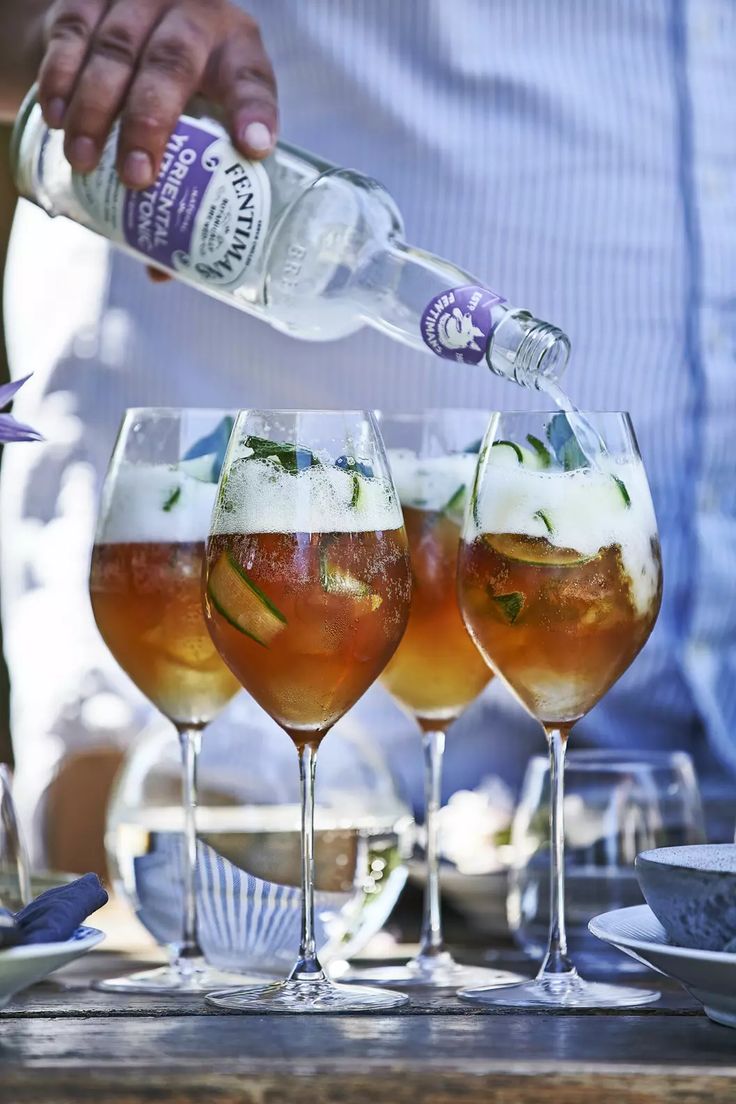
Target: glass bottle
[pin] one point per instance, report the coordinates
(315, 250)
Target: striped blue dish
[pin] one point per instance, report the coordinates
(245, 923)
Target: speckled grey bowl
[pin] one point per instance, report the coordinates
(692, 892)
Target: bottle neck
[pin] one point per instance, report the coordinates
(429, 303)
(526, 350)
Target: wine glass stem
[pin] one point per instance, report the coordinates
(432, 940)
(556, 960)
(307, 967)
(190, 740)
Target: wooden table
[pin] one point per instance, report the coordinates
(63, 1043)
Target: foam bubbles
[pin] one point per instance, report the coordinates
(134, 506)
(586, 509)
(429, 483)
(260, 496)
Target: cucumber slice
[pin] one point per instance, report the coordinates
(622, 488)
(243, 604)
(454, 508)
(172, 500)
(544, 518)
(336, 580)
(614, 495)
(540, 450)
(534, 551)
(508, 454)
(476, 485)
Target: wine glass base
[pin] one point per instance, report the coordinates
(307, 996)
(172, 981)
(561, 992)
(441, 972)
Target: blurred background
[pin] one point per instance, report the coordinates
(594, 185)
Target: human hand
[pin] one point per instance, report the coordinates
(142, 60)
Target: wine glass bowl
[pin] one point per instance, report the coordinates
(306, 594)
(560, 583)
(437, 671)
(560, 574)
(146, 598)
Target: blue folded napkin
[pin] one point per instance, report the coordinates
(55, 915)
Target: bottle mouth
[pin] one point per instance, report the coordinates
(543, 355)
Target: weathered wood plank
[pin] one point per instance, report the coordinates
(71, 994)
(240, 1043)
(473, 1086)
(73, 1046)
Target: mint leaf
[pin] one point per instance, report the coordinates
(349, 463)
(293, 458)
(565, 444)
(510, 605)
(213, 444)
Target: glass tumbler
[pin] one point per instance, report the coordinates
(617, 803)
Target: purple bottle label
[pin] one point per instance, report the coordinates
(205, 216)
(458, 324)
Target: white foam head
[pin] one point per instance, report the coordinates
(586, 508)
(149, 503)
(260, 496)
(429, 483)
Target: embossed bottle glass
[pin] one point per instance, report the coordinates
(314, 250)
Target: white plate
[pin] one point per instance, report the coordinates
(22, 966)
(710, 976)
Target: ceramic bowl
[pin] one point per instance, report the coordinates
(25, 965)
(709, 976)
(692, 892)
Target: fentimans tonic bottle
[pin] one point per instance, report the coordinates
(314, 250)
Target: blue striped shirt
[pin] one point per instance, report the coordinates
(578, 156)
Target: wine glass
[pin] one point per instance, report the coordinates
(560, 583)
(307, 591)
(437, 671)
(145, 586)
(15, 878)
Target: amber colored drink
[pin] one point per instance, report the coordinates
(147, 603)
(437, 669)
(307, 621)
(559, 627)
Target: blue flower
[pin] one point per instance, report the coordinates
(10, 429)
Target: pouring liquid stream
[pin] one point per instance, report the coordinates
(589, 440)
